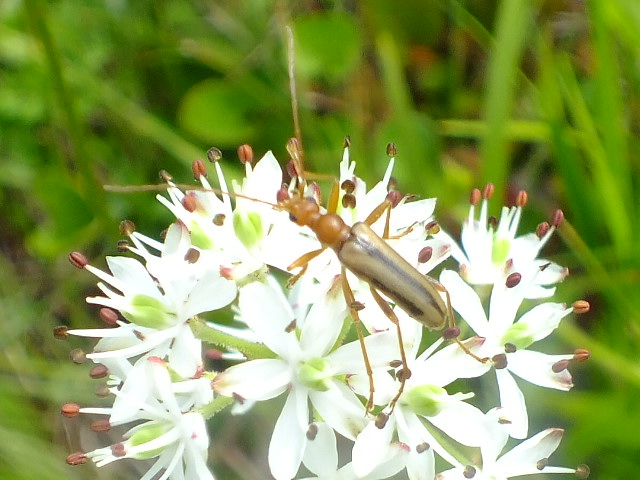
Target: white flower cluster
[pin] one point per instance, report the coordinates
(390, 399)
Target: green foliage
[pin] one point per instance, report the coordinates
(540, 96)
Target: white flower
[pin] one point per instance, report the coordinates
(424, 399)
(528, 458)
(490, 253)
(506, 340)
(167, 427)
(158, 300)
(306, 368)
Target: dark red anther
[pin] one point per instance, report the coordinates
(558, 218)
(425, 254)
(469, 471)
(581, 355)
(192, 255)
(292, 170)
(488, 190)
(522, 199)
(580, 306)
(78, 356)
(312, 432)
(348, 201)
(432, 227)
(99, 371)
(127, 227)
(509, 348)
(348, 186)
(118, 450)
(245, 153)
(513, 280)
(214, 154)
(198, 168)
(78, 260)
(475, 197)
(560, 366)
(381, 420)
(70, 410)
(394, 197)
(100, 426)
(451, 333)
(392, 149)
(499, 361)
(61, 332)
(542, 229)
(108, 316)
(283, 194)
(291, 326)
(77, 458)
(190, 202)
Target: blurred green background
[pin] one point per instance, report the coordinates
(536, 95)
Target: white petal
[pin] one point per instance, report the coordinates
(521, 460)
(254, 380)
(321, 454)
(543, 319)
(465, 301)
(371, 447)
(289, 437)
(382, 348)
(211, 292)
(323, 324)
(536, 367)
(185, 355)
(341, 409)
(512, 402)
(462, 422)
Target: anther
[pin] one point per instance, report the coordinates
(291, 327)
(165, 176)
(348, 201)
(123, 246)
(245, 153)
(583, 471)
(108, 316)
(76, 458)
(581, 355)
(238, 398)
(395, 363)
(348, 186)
(542, 229)
(347, 142)
(558, 218)
(357, 306)
(580, 306)
(394, 197)
(192, 255)
(469, 472)
(292, 170)
(475, 197)
(522, 198)
(513, 280)
(190, 202)
(432, 227)
(198, 169)
(70, 410)
(425, 254)
(218, 219)
(139, 335)
(492, 221)
(118, 450)
(312, 432)
(283, 194)
(61, 332)
(78, 260)
(504, 421)
(101, 426)
(102, 391)
(488, 190)
(99, 371)
(543, 462)
(381, 420)
(509, 348)
(78, 356)
(499, 361)
(560, 366)
(422, 447)
(451, 333)
(127, 227)
(294, 149)
(214, 154)
(392, 149)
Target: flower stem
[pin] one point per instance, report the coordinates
(208, 334)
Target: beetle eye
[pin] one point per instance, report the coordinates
(293, 218)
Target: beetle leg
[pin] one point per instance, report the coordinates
(303, 261)
(354, 307)
(404, 373)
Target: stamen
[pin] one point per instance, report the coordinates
(558, 218)
(394, 197)
(513, 280)
(127, 227)
(499, 361)
(77, 458)
(509, 348)
(70, 410)
(118, 450)
(78, 260)
(348, 186)
(381, 420)
(108, 316)
(347, 142)
(198, 168)
(543, 462)
(214, 155)
(425, 254)
(312, 432)
(560, 366)
(165, 176)
(61, 332)
(581, 355)
(78, 356)
(422, 447)
(583, 471)
(192, 255)
(469, 472)
(190, 202)
(123, 246)
(245, 153)
(580, 306)
(392, 149)
(475, 197)
(542, 229)
(101, 426)
(291, 327)
(432, 227)
(218, 219)
(522, 198)
(348, 201)
(488, 190)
